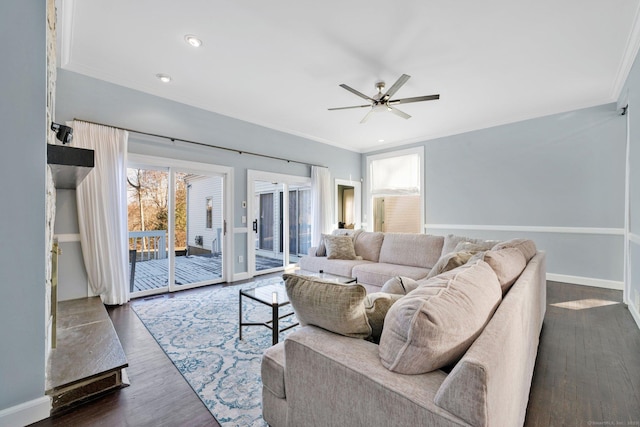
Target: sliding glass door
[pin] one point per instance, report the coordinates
(177, 226)
(147, 210)
(199, 229)
(280, 221)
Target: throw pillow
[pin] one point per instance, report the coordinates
(376, 306)
(449, 262)
(451, 241)
(433, 326)
(474, 247)
(339, 247)
(329, 305)
(508, 264)
(526, 246)
(399, 285)
(322, 249)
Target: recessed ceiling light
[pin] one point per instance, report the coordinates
(193, 40)
(381, 140)
(164, 78)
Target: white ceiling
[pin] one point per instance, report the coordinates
(279, 63)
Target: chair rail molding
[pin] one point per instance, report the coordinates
(529, 228)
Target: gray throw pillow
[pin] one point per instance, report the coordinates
(376, 306)
(329, 305)
(339, 247)
(399, 285)
(449, 262)
(322, 249)
(526, 246)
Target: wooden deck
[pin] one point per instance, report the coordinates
(154, 273)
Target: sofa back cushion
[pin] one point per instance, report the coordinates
(451, 241)
(526, 246)
(435, 324)
(507, 263)
(367, 245)
(416, 250)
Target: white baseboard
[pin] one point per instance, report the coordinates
(26, 413)
(586, 281)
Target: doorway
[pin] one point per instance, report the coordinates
(348, 204)
(280, 209)
(177, 225)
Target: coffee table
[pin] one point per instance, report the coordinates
(274, 295)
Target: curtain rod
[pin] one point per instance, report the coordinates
(201, 143)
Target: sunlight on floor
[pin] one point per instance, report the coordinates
(584, 303)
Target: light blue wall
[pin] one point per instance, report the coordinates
(89, 99)
(631, 95)
(71, 271)
(22, 173)
(564, 170)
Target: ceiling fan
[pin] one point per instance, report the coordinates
(383, 102)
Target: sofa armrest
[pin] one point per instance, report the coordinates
(332, 380)
(488, 375)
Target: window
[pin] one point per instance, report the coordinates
(396, 191)
(209, 216)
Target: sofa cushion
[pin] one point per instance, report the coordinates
(452, 240)
(367, 245)
(332, 306)
(449, 262)
(272, 370)
(399, 285)
(341, 267)
(435, 324)
(507, 263)
(376, 305)
(526, 246)
(416, 250)
(379, 273)
(339, 247)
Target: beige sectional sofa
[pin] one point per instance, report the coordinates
(317, 377)
(381, 256)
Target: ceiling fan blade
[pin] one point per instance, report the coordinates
(414, 99)
(398, 112)
(397, 85)
(366, 117)
(360, 94)
(347, 108)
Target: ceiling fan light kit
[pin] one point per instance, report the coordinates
(381, 102)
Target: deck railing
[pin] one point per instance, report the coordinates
(149, 244)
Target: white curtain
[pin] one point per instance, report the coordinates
(321, 201)
(102, 211)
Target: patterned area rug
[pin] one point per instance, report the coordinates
(199, 333)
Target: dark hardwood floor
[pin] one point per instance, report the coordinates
(588, 366)
(158, 394)
(587, 371)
